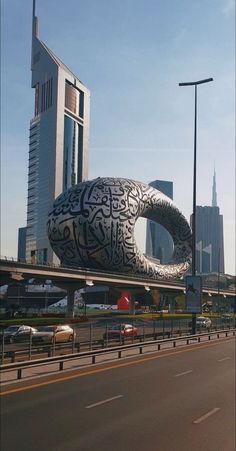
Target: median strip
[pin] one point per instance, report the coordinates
(104, 401)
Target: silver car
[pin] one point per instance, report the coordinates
(203, 322)
(18, 333)
(60, 334)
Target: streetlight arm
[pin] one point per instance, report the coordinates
(199, 82)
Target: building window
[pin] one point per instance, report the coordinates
(36, 100)
(74, 99)
(46, 95)
(73, 153)
(41, 256)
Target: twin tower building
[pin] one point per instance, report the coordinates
(58, 142)
(58, 159)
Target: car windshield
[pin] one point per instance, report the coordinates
(118, 327)
(12, 329)
(121, 327)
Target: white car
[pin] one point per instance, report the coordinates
(203, 322)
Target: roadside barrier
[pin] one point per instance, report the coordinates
(90, 339)
(18, 367)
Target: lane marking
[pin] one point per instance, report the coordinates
(208, 414)
(104, 401)
(182, 374)
(225, 358)
(110, 367)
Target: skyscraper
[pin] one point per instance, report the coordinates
(209, 236)
(214, 193)
(21, 243)
(159, 243)
(58, 147)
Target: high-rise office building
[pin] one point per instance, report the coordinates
(21, 243)
(159, 243)
(58, 147)
(209, 236)
(214, 193)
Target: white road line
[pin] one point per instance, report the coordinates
(208, 414)
(104, 401)
(182, 374)
(225, 358)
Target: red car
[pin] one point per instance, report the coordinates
(121, 331)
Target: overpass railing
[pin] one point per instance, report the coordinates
(229, 286)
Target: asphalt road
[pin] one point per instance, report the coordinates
(181, 400)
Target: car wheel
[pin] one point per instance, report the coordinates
(70, 338)
(11, 340)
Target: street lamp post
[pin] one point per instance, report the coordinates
(195, 84)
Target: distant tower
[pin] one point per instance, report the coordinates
(214, 193)
(58, 147)
(21, 243)
(209, 236)
(159, 243)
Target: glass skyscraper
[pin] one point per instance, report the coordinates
(209, 236)
(159, 243)
(58, 141)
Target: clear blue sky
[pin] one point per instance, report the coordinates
(131, 54)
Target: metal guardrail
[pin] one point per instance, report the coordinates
(87, 339)
(20, 366)
(76, 347)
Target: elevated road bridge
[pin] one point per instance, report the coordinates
(73, 279)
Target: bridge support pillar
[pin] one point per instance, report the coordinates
(132, 307)
(171, 302)
(70, 302)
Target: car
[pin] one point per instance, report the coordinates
(17, 333)
(47, 334)
(203, 322)
(121, 331)
(226, 318)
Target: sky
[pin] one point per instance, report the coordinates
(131, 54)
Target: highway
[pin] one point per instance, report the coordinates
(177, 400)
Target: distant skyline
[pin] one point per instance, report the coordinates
(131, 55)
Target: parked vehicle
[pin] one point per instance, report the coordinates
(47, 334)
(121, 331)
(18, 333)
